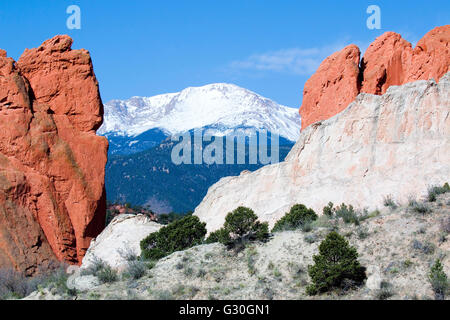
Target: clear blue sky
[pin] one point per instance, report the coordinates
(271, 47)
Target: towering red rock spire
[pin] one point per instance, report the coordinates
(52, 163)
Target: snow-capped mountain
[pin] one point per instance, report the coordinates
(140, 169)
(222, 107)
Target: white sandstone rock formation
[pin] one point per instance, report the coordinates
(397, 143)
(122, 236)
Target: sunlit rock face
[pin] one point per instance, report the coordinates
(52, 163)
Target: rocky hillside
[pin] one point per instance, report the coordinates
(397, 143)
(52, 163)
(390, 60)
(397, 245)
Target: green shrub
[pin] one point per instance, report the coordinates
(297, 217)
(241, 225)
(220, 235)
(363, 233)
(241, 221)
(310, 238)
(434, 191)
(106, 274)
(328, 210)
(347, 214)
(127, 253)
(388, 201)
(56, 280)
(438, 280)
(385, 291)
(136, 269)
(178, 235)
(426, 248)
(335, 265)
(94, 267)
(420, 207)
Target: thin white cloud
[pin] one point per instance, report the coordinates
(298, 61)
(295, 60)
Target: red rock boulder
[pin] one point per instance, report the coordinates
(52, 163)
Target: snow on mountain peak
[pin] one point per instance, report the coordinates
(218, 105)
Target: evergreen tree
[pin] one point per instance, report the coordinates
(178, 235)
(241, 225)
(438, 280)
(335, 265)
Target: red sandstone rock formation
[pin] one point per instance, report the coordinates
(332, 87)
(389, 60)
(52, 163)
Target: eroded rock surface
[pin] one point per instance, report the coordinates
(52, 163)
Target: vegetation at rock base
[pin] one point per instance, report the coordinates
(347, 213)
(297, 217)
(335, 266)
(389, 202)
(438, 280)
(419, 207)
(278, 269)
(178, 235)
(241, 226)
(15, 285)
(107, 275)
(434, 191)
(328, 210)
(101, 270)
